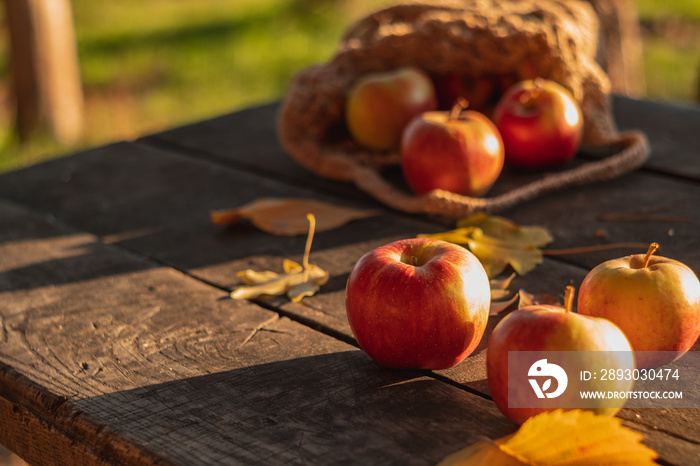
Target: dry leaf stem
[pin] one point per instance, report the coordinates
(307, 248)
(297, 281)
(595, 248)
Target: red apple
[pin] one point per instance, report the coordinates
(380, 105)
(418, 303)
(460, 151)
(653, 299)
(585, 343)
(476, 90)
(540, 122)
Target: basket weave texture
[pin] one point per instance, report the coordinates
(469, 37)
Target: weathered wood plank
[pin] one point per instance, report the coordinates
(672, 153)
(126, 187)
(332, 408)
(670, 450)
(38, 442)
(182, 236)
(672, 130)
(166, 371)
(247, 139)
(576, 218)
(135, 208)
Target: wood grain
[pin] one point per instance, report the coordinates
(147, 366)
(671, 129)
(118, 281)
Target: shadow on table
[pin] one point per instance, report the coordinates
(331, 408)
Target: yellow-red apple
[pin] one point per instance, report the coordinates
(573, 341)
(418, 303)
(653, 299)
(458, 151)
(380, 105)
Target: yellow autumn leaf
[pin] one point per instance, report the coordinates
(497, 242)
(275, 284)
(297, 281)
(481, 453)
(251, 277)
(287, 217)
(504, 229)
(497, 254)
(558, 438)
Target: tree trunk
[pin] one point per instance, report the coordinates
(44, 64)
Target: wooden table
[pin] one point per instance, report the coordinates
(119, 344)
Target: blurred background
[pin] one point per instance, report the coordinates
(147, 65)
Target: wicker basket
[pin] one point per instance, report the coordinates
(476, 37)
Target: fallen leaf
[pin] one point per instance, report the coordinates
(497, 242)
(458, 236)
(506, 230)
(501, 283)
(287, 217)
(271, 283)
(530, 299)
(501, 296)
(560, 438)
(499, 306)
(496, 254)
(499, 287)
(251, 277)
(297, 281)
(482, 452)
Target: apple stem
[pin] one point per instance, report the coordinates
(460, 105)
(307, 248)
(569, 298)
(528, 97)
(653, 247)
(414, 261)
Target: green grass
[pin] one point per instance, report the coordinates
(676, 71)
(671, 52)
(688, 9)
(195, 59)
(148, 65)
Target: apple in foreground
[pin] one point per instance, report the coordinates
(593, 343)
(653, 299)
(418, 303)
(540, 122)
(380, 105)
(458, 151)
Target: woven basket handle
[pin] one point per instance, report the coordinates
(635, 151)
